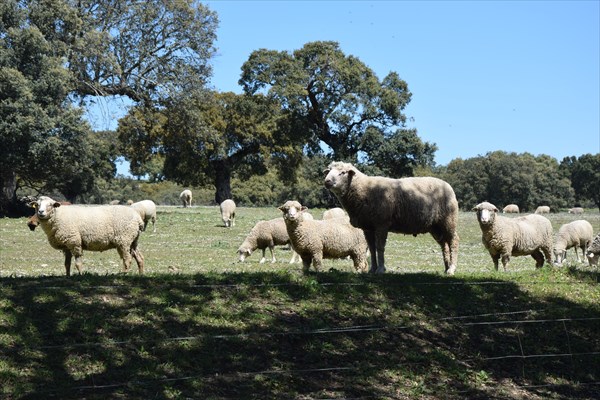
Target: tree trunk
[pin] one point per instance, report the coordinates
(9, 206)
(222, 181)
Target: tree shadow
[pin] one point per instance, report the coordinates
(277, 335)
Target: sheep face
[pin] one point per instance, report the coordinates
(44, 206)
(243, 253)
(338, 176)
(486, 213)
(559, 256)
(292, 210)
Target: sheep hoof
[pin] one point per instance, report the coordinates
(380, 270)
(450, 271)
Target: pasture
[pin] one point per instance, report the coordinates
(200, 325)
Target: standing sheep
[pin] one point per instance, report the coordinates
(315, 240)
(265, 234)
(504, 237)
(228, 212)
(380, 205)
(574, 234)
(575, 210)
(542, 210)
(511, 208)
(147, 210)
(593, 251)
(75, 228)
(186, 198)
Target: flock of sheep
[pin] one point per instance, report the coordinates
(373, 206)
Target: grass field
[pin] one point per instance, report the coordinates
(200, 325)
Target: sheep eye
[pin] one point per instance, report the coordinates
(342, 172)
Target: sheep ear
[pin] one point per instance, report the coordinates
(56, 204)
(476, 208)
(326, 171)
(303, 208)
(495, 209)
(351, 172)
(281, 209)
(33, 204)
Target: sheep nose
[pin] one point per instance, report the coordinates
(328, 183)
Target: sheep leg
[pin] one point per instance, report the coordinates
(505, 261)
(539, 258)
(548, 255)
(295, 256)
(380, 240)
(317, 261)
(306, 261)
(126, 257)
(272, 254)
(139, 259)
(495, 258)
(68, 257)
(370, 236)
(78, 253)
(262, 260)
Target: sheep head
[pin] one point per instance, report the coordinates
(338, 176)
(44, 206)
(486, 213)
(292, 210)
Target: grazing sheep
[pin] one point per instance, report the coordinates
(228, 212)
(186, 198)
(129, 202)
(574, 234)
(147, 210)
(575, 210)
(511, 208)
(335, 213)
(542, 210)
(265, 234)
(380, 205)
(315, 240)
(593, 251)
(504, 237)
(75, 228)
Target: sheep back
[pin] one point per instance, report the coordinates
(228, 208)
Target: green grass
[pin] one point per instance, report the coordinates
(201, 325)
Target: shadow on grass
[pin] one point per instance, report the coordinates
(277, 335)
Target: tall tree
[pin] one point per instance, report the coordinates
(336, 98)
(206, 137)
(44, 142)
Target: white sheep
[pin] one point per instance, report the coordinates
(542, 210)
(228, 212)
(315, 240)
(380, 205)
(266, 234)
(335, 213)
(511, 208)
(593, 251)
(76, 228)
(147, 210)
(504, 237)
(575, 210)
(186, 198)
(576, 234)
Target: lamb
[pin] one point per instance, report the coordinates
(575, 210)
(511, 208)
(76, 228)
(228, 212)
(147, 210)
(542, 210)
(593, 251)
(504, 237)
(265, 234)
(314, 240)
(336, 213)
(186, 198)
(575, 234)
(380, 205)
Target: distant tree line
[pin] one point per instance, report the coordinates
(298, 111)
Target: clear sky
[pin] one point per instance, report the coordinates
(518, 76)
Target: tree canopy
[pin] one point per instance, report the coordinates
(339, 102)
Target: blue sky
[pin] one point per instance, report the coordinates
(485, 75)
(518, 76)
